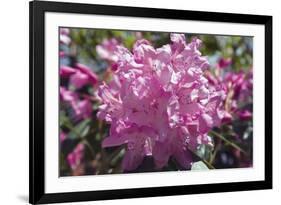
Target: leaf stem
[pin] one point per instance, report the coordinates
(213, 156)
(227, 141)
(85, 142)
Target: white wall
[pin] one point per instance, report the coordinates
(14, 99)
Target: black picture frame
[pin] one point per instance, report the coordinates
(37, 9)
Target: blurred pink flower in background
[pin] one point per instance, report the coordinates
(75, 158)
(79, 79)
(224, 62)
(62, 137)
(81, 108)
(245, 115)
(159, 103)
(238, 87)
(64, 36)
(106, 50)
(84, 109)
(79, 76)
(73, 78)
(61, 54)
(66, 71)
(92, 77)
(67, 95)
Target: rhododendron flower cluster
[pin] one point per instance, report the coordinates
(76, 76)
(159, 102)
(238, 87)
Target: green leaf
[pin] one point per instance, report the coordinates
(199, 166)
(80, 130)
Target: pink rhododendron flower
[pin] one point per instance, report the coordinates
(241, 83)
(159, 103)
(62, 54)
(75, 158)
(67, 95)
(245, 115)
(64, 31)
(62, 137)
(84, 109)
(107, 48)
(81, 108)
(79, 76)
(92, 77)
(66, 71)
(79, 79)
(224, 62)
(64, 36)
(238, 87)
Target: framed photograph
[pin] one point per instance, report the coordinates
(140, 102)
